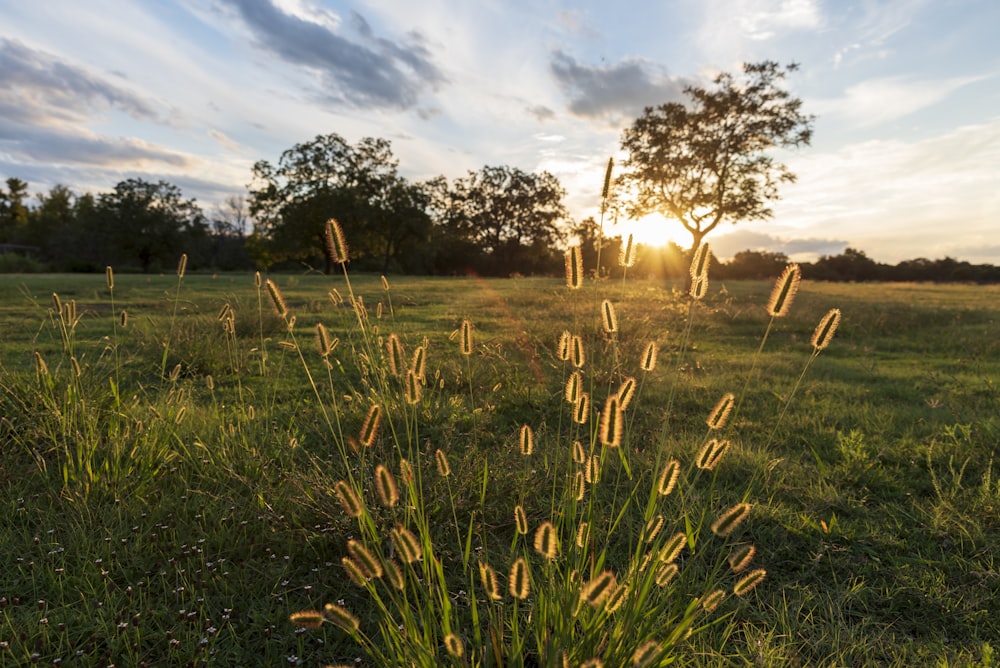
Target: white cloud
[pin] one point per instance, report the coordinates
(877, 101)
(729, 27)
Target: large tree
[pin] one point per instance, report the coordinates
(330, 178)
(507, 214)
(149, 222)
(708, 161)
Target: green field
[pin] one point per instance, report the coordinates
(168, 486)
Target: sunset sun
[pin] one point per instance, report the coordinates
(652, 230)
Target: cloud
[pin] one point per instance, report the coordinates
(38, 88)
(729, 244)
(729, 28)
(369, 71)
(886, 99)
(614, 92)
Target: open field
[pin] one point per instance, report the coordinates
(167, 486)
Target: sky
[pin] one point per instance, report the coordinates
(904, 161)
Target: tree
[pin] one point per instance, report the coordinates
(148, 222)
(508, 214)
(707, 162)
(329, 178)
(13, 211)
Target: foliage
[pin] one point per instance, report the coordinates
(708, 162)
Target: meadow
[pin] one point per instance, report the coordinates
(179, 482)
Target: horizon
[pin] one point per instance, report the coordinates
(906, 141)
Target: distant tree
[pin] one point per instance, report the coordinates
(754, 265)
(512, 217)
(13, 211)
(851, 265)
(706, 162)
(51, 225)
(330, 178)
(149, 222)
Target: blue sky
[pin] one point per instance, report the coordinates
(905, 159)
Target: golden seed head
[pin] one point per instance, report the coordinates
(124, 318)
(406, 544)
(579, 485)
(699, 287)
(175, 373)
(730, 519)
(394, 355)
(342, 617)
(520, 576)
(413, 389)
(826, 329)
(712, 601)
(627, 255)
(749, 581)
(546, 540)
(57, 303)
(336, 245)
(649, 357)
(616, 598)
(672, 548)
(577, 356)
(592, 663)
(349, 500)
(307, 619)
(520, 520)
(741, 557)
(109, 276)
(596, 592)
(592, 470)
(335, 297)
(526, 442)
(665, 573)
(369, 428)
(717, 418)
(581, 409)
(647, 654)
(608, 317)
(700, 262)
(574, 386)
(256, 279)
(579, 454)
(443, 467)
(784, 291)
(323, 342)
(612, 424)
(394, 575)
(490, 583)
(607, 179)
(385, 283)
(453, 645)
(562, 349)
(466, 338)
(574, 268)
(711, 454)
(354, 572)
(668, 477)
(582, 535)
(652, 529)
(418, 365)
(182, 265)
(365, 560)
(385, 486)
(405, 471)
(277, 301)
(626, 392)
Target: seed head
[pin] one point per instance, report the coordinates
(466, 337)
(609, 317)
(712, 601)
(562, 349)
(490, 583)
(579, 485)
(577, 356)
(700, 262)
(394, 355)
(342, 617)
(741, 557)
(182, 265)
(520, 585)
(277, 301)
(349, 500)
(749, 581)
(406, 544)
(581, 409)
(784, 291)
(825, 330)
(574, 386)
(520, 520)
(582, 535)
(413, 389)
(607, 179)
(627, 255)
(612, 423)
(453, 645)
(626, 391)
(307, 619)
(730, 519)
(385, 486)
(668, 477)
(546, 540)
(711, 454)
(526, 442)
(369, 429)
(336, 245)
(366, 561)
(672, 548)
(596, 592)
(441, 460)
(579, 454)
(665, 573)
(109, 276)
(647, 654)
(574, 268)
(648, 362)
(717, 418)
(652, 529)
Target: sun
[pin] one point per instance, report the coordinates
(652, 230)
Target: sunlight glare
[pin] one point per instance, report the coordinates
(652, 230)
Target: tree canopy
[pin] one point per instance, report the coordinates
(707, 162)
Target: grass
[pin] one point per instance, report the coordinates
(181, 518)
